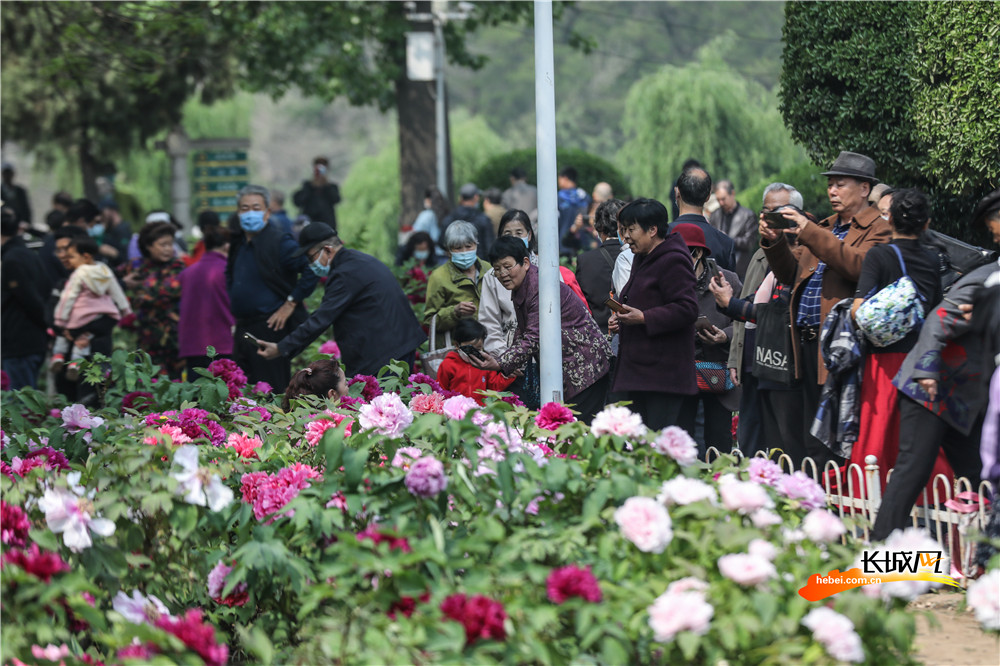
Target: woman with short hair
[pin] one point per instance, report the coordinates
(454, 288)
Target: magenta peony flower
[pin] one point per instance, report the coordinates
(420, 378)
(4, 381)
(197, 636)
(217, 583)
(615, 420)
(744, 496)
(228, 371)
(427, 403)
(14, 525)
(426, 477)
(679, 610)
(681, 490)
(552, 415)
(822, 526)
(799, 486)
(41, 564)
(512, 400)
(458, 406)
(142, 651)
(764, 471)
(405, 455)
(481, 616)
(746, 570)
(646, 523)
(371, 533)
(138, 400)
(371, 390)
(347, 402)
(330, 347)
(572, 581)
(677, 444)
(262, 387)
(54, 460)
(836, 633)
(386, 414)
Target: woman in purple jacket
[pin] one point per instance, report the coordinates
(656, 322)
(205, 317)
(585, 351)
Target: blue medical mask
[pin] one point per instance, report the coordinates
(96, 231)
(319, 269)
(464, 260)
(421, 255)
(252, 221)
(527, 242)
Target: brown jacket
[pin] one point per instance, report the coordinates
(843, 262)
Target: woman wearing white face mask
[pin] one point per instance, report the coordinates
(454, 289)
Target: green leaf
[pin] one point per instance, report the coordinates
(688, 643)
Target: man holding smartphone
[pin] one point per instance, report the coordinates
(317, 197)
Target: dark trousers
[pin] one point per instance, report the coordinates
(750, 431)
(921, 434)
(781, 416)
(811, 390)
(658, 409)
(590, 400)
(276, 372)
(23, 371)
(718, 422)
(101, 343)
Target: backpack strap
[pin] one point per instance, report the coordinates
(902, 265)
(607, 257)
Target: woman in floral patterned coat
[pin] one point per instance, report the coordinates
(155, 290)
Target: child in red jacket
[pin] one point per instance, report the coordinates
(458, 374)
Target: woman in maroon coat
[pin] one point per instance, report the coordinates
(656, 355)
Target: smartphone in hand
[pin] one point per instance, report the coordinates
(254, 339)
(473, 352)
(614, 306)
(711, 267)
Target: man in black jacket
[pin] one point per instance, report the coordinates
(267, 284)
(317, 197)
(22, 314)
(372, 319)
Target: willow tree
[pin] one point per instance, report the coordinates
(707, 111)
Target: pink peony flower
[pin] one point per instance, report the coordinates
(175, 434)
(337, 501)
(497, 440)
(674, 612)
(762, 518)
(983, 597)
(330, 347)
(217, 583)
(197, 636)
(552, 415)
(14, 525)
(764, 471)
(405, 455)
(615, 420)
(458, 406)
(246, 406)
(315, 429)
(676, 443)
(386, 414)
(801, 487)
(646, 523)
(835, 633)
(681, 490)
(139, 609)
(761, 548)
(426, 477)
(572, 581)
(822, 526)
(77, 418)
(142, 651)
(269, 493)
(687, 585)
(262, 387)
(746, 570)
(40, 564)
(481, 616)
(427, 403)
(244, 445)
(69, 512)
(50, 652)
(744, 496)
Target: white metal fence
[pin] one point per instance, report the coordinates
(951, 513)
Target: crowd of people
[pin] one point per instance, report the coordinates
(833, 338)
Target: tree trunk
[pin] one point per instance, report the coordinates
(88, 168)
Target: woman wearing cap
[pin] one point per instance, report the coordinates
(454, 288)
(656, 319)
(713, 332)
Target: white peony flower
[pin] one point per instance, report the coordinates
(71, 512)
(200, 485)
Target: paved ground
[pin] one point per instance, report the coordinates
(958, 640)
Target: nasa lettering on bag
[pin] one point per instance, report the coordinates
(771, 358)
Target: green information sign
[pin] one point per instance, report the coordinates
(218, 177)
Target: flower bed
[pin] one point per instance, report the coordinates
(199, 522)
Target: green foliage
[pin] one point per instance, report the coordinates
(918, 98)
(317, 593)
(706, 111)
(805, 177)
(591, 169)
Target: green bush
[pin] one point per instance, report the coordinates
(805, 177)
(591, 169)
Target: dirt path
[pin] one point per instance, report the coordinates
(958, 641)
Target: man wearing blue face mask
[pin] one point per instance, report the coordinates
(371, 316)
(267, 282)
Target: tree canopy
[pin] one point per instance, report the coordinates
(911, 84)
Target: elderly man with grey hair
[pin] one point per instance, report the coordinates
(267, 284)
(455, 287)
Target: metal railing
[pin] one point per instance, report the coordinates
(952, 513)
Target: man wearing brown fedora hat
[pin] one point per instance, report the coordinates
(824, 268)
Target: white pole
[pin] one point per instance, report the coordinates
(439, 110)
(549, 314)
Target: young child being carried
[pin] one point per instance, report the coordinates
(458, 374)
(91, 304)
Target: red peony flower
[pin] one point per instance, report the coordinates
(138, 400)
(395, 542)
(481, 616)
(407, 605)
(14, 525)
(572, 581)
(552, 415)
(197, 635)
(41, 564)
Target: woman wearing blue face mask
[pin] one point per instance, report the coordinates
(454, 289)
